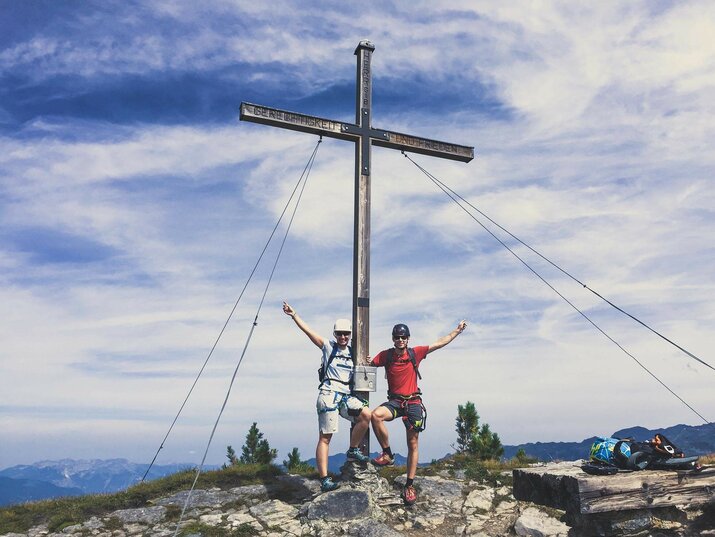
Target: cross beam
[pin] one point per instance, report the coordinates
(364, 136)
(352, 132)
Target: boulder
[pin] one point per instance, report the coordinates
(536, 523)
(435, 488)
(143, 515)
(341, 504)
(479, 499)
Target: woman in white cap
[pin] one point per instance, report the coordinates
(334, 394)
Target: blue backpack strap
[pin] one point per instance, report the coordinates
(352, 377)
(333, 354)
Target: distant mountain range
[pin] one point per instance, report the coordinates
(68, 477)
(693, 440)
(28, 490)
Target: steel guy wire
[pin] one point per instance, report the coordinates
(445, 189)
(248, 339)
(563, 271)
(235, 305)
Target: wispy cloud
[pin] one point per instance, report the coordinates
(133, 205)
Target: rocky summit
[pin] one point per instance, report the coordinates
(365, 505)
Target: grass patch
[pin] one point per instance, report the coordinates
(62, 512)
(245, 530)
(172, 513)
(488, 472)
(305, 470)
(113, 523)
(392, 472)
(61, 521)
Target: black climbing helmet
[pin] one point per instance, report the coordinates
(400, 330)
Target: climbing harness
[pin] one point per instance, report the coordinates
(413, 420)
(406, 405)
(340, 403)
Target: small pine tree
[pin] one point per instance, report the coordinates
(522, 457)
(256, 450)
(474, 440)
(467, 425)
(293, 460)
(231, 456)
(486, 444)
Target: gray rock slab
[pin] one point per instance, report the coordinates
(202, 498)
(274, 513)
(480, 499)
(239, 519)
(142, 515)
(294, 488)
(435, 488)
(372, 528)
(536, 523)
(250, 491)
(341, 504)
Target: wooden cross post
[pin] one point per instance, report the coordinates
(364, 136)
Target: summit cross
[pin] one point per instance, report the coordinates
(364, 135)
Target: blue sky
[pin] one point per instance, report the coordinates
(133, 204)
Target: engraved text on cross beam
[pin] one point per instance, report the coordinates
(292, 117)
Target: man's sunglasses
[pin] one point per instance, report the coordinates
(338, 334)
(401, 337)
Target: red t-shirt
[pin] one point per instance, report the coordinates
(401, 376)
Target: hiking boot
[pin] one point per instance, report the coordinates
(327, 484)
(354, 454)
(383, 460)
(409, 495)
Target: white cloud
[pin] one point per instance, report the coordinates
(603, 164)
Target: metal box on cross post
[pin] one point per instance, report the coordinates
(365, 378)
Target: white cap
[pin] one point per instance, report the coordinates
(343, 325)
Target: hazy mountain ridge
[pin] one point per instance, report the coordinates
(69, 477)
(28, 490)
(692, 439)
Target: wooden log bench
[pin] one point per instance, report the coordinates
(617, 504)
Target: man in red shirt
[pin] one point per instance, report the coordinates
(404, 398)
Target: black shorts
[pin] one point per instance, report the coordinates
(412, 412)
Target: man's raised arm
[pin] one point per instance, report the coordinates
(315, 338)
(441, 342)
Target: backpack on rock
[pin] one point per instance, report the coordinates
(609, 455)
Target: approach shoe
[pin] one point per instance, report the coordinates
(383, 460)
(409, 495)
(327, 484)
(354, 454)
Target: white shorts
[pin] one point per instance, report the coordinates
(331, 404)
